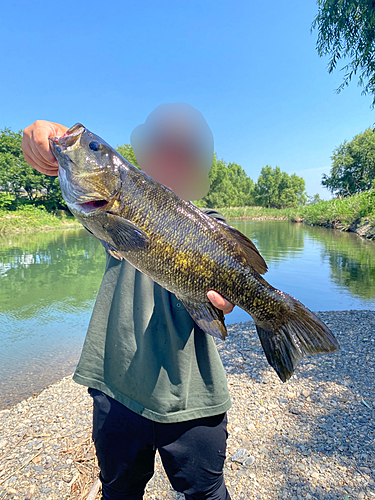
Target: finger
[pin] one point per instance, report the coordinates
(45, 158)
(32, 155)
(41, 168)
(220, 302)
(40, 139)
(36, 145)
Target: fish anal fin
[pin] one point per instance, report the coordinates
(251, 252)
(207, 317)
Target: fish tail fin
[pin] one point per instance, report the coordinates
(287, 343)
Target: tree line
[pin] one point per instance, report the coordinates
(353, 166)
(352, 171)
(20, 184)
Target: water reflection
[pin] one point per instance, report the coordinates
(48, 285)
(277, 241)
(60, 269)
(351, 260)
(325, 269)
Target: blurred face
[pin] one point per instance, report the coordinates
(173, 162)
(175, 147)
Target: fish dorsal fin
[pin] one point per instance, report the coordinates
(251, 252)
(207, 317)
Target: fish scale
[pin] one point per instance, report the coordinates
(182, 249)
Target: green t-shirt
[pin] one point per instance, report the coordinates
(143, 349)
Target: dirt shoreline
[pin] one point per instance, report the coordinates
(362, 227)
(311, 438)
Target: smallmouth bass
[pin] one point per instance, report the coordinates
(182, 249)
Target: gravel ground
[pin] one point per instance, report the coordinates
(311, 438)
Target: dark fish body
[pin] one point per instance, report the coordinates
(182, 249)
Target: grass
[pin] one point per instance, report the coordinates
(344, 211)
(28, 218)
(255, 213)
(341, 213)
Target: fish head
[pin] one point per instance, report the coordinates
(89, 171)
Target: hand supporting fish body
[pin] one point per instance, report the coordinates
(182, 249)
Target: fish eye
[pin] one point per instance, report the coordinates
(95, 146)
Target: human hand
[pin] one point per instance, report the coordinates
(218, 301)
(36, 148)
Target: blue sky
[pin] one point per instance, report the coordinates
(251, 68)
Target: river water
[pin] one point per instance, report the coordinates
(49, 281)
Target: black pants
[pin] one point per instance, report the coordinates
(192, 452)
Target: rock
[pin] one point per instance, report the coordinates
(45, 489)
(295, 411)
(240, 455)
(306, 393)
(263, 449)
(3, 442)
(248, 462)
(246, 443)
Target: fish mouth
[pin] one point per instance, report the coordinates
(70, 140)
(92, 205)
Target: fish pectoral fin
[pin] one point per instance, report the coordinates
(251, 252)
(207, 317)
(124, 235)
(112, 251)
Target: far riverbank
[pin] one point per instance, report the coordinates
(30, 218)
(353, 214)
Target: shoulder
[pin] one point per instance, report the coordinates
(214, 213)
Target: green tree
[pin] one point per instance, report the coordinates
(353, 165)
(229, 186)
(15, 174)
(127, 152)
(278, 189)
(346, 31)
(243, 185)
(311, 200)
(19, 178)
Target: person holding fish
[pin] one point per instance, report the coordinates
(172, 271)
(156, 378)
